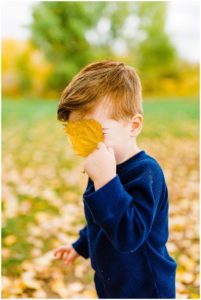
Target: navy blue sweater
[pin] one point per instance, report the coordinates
(126, 232)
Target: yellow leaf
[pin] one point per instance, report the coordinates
(58, 286)
(185, 277)
(84, 135)
(187, 263)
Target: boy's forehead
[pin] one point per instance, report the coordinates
(100, 113)
(97, 114)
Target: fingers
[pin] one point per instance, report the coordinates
(59, 251)
(62, 254)
(69, 257)
(64, 247)
(65, 253)
(65, 257)
(102, 145)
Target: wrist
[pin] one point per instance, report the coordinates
(99, 183)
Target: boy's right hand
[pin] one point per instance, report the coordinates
(66, 252)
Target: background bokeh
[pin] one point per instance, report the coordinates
(42, 182)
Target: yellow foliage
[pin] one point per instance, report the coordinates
(36, 67)
(32, 62)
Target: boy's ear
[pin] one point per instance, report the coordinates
(136, 125)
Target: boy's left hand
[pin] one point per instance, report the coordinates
(100, 165)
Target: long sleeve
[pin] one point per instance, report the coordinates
(127, 218)
(81, 244)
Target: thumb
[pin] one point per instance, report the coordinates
(101, 145)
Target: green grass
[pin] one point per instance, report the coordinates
(178, 117)
(27, 110)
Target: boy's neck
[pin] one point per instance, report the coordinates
(129, 153)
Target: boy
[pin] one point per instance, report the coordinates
(126, 198)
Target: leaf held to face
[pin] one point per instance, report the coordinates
(84, 135)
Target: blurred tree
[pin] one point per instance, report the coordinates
(157, 57)
(59, 28)
(72, 34)
(24, 72)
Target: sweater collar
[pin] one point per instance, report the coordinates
(130, 159)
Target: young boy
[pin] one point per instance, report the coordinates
(126, 198)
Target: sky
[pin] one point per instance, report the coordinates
(182, 25)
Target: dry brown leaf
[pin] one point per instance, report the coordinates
(75, 287)
(28, 280)
(59, 287)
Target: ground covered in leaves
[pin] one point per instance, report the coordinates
(42, 186)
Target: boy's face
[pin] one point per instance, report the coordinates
(120, 135)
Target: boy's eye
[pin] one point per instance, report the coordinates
(105, 130)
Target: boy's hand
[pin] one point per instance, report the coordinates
(67, 253)
(100, 165)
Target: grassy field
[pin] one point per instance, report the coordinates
(169, 115)
(42, 188)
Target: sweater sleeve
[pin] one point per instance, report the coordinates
(81, 244)
(126, 218)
